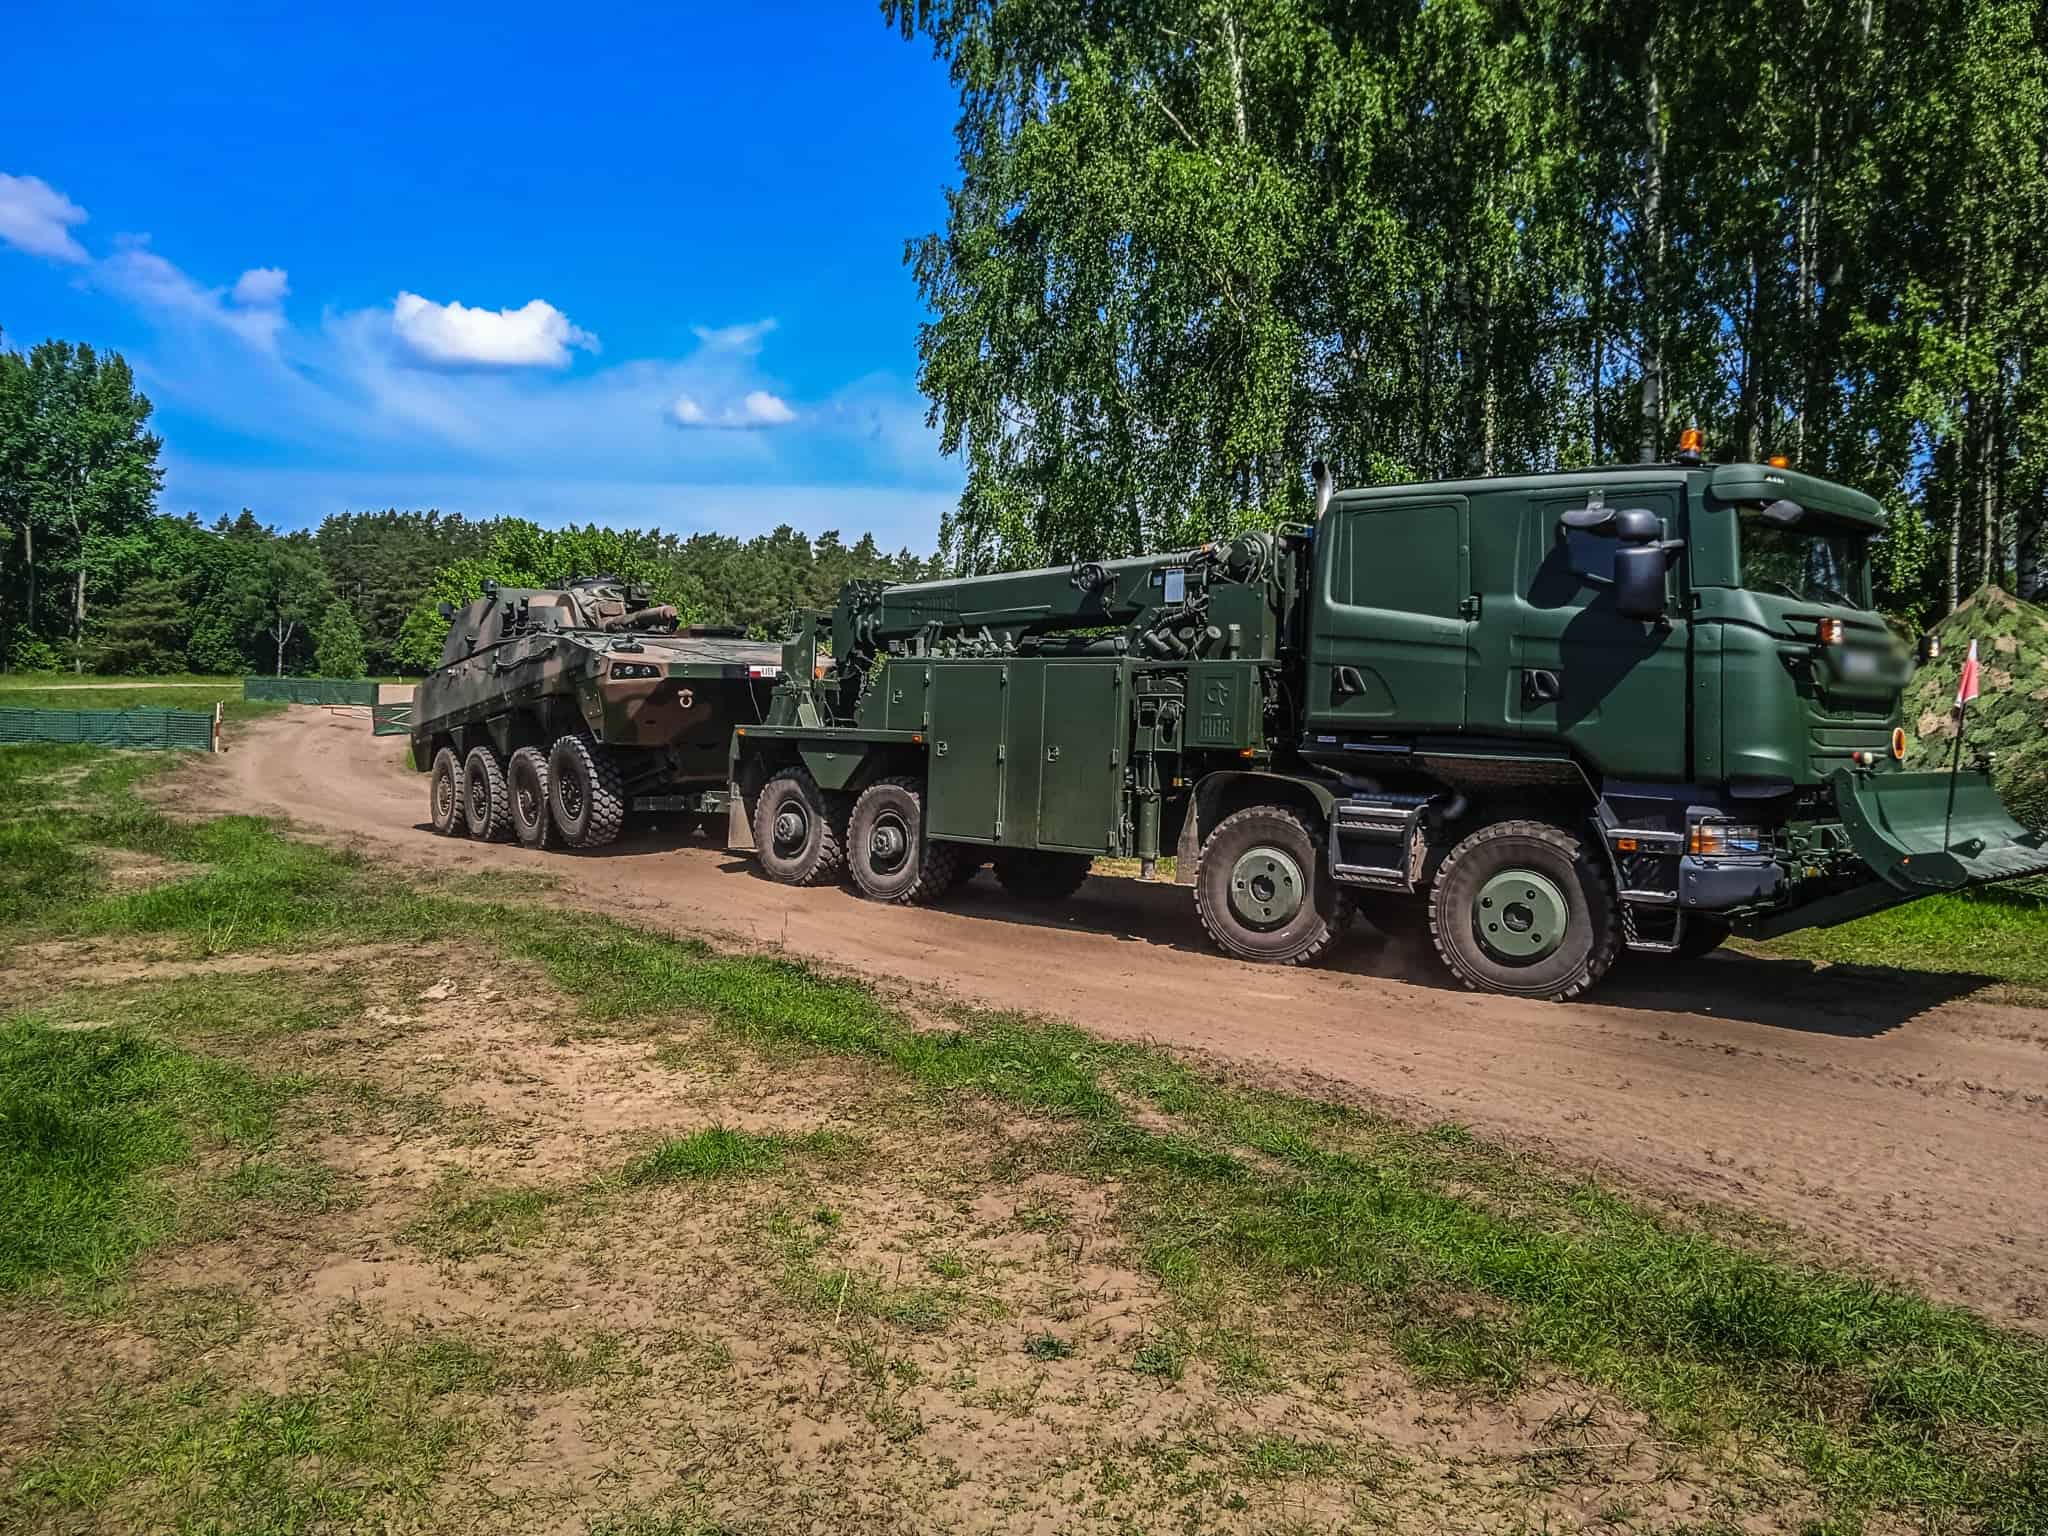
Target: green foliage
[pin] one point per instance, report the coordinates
(338, 642)
(1194, 246)
(78, 484)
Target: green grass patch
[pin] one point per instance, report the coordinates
(709, 1154)
(1999, 931)
(88, 1119)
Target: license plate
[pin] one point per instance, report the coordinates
(1861, 663)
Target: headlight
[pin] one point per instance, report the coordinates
(1718, 837)
(635, 669)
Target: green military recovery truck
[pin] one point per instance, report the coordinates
(558, 711)
(1553, 716)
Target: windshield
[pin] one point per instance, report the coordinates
(1815, 564)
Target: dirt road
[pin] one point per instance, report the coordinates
(1888, 1112)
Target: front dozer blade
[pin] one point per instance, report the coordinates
(1923, 832)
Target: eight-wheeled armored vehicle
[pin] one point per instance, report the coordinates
(1547, 716)
(556, 712)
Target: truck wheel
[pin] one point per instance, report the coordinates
(584, 793)
(1521, 907)
(887, 850)
(1031, 874)
(1264, 891)
(799, 830)
(444, 793)
(527, 778)
(486, 800)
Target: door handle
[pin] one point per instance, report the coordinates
(1540, 685)
(1346, 682)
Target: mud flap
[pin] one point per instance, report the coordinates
(739, 828)
(1905, 828)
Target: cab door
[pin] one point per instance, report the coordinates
(1391, 618)
(1561, 665)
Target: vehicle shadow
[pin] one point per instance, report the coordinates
(1850, 1001)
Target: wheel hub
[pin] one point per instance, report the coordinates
(888, 845)
(791, 827)
(1521, 915)
(1266, 887)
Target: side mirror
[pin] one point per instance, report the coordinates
(1930, 647)
(1639, 580)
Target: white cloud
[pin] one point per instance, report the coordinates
(35, 217)
(756, 408)
(744, 339)
(765, 410)
(537, 335)
(149, 281)
(261, 288)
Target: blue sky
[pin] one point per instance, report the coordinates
(641, 266)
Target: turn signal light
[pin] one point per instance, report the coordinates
(1899, 742)
(1831, 631)
(1778, 461)
(1710, 838)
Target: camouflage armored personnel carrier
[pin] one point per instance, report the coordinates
(555, 712)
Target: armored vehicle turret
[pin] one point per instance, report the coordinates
(558, 711)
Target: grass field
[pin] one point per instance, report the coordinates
(333, 1201)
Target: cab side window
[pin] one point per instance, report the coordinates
(1403, 557)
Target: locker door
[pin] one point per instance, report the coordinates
(1082, 756)
(965, 798)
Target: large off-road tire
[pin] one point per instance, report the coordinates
(486, 800)
(799, 829)
(444, 793)
(584, 793)
(526, 776)
(886, 847)
(1032, 874)
(1527, 909)
(1263, 888)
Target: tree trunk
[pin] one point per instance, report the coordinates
(1653, 263)
(1236, 58)
(1989, 475)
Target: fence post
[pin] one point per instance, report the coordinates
(216, 727)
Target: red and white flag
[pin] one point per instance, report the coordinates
(1966, 685)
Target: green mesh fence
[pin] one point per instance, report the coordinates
(310, 690)
(150, 728)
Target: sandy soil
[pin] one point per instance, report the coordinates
(1892, 1114)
